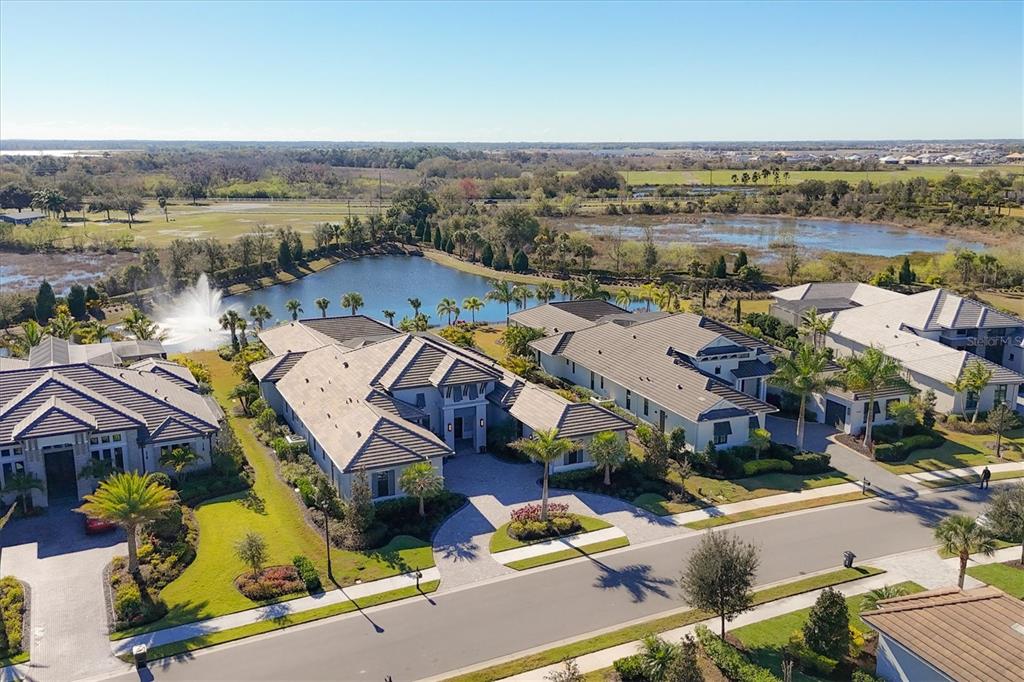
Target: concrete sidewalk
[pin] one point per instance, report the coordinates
(965, 472)
(684, 518)
(557, 545)
(271, 611)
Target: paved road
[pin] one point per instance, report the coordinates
(419, 638)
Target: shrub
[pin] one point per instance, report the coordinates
(308, 573)
(270, 583)
(766, 466)
(743, 452)
(529, 529)
(810, 661)
(890, 452)
(731, 465)
(131, 608)
(924, 441)
(531, 512)
(811, 463)
(401, 515)
(631, 668)
(862, 676)
(12, 612)
(827, 631)
(730, 661)
(161, 478)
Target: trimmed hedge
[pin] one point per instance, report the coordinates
(631, 668)
(12, 615)
(730, 660)
(308, 573)
(765, 466)
(811, 463)
(898, 451)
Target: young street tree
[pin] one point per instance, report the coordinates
(545, 447)
(962, 536)
(1006, 515)
(252, 551)
(827, 630)
(421, 480)
(720, 576)
(1000, 420)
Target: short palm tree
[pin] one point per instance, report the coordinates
(545, 447)
(63, 326)
(129, 500)
(657, 657)
(94, 332)
(415, 304)
(179, 459)
(973, 379)
(421, 480)
(449, 306)
(472, 304)
(869, 602)
(624, 298)
(815, 326)
(760, 440)
(389, 315)
(353, 300)
(608, 452)
(963, 536)
(294, 306)
(648, 294)
(501, 291)
(246, 394)
(23, 483)
(32, 334)
(322, 304)
(802, 374)
(544, 292)
(590, 287)
(259, 314)
(870, 372)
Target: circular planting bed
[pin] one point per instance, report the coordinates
(270, 583)
(526, 528)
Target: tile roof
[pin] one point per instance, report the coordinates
(351, 331)
(52, 351)
(294, 337)
(172, 371)
(541, 409)
(970, 635)
(53, 417)
(272, 369)
(588, 308)
(564, 316)
(855, 292)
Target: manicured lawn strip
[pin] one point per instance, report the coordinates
(638, 631)
(972, 479)
(206, 588)
(1009, 579)
(778, 509)
(14, 660)
(487, 340)
(566, 554)
(244, 631)
(765, 639)
(501, 540)
(960, 450)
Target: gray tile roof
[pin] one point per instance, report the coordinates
(541, 409)
(566, 315)
(172, 371)
(746, 369)
(272, 369)
(53, 417)
(52, 352)
(350, 330)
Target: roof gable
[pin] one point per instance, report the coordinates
(54, 416)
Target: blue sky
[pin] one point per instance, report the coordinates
(511, 72)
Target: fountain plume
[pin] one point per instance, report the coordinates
(191, 320)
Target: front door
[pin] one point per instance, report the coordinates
(61, 480)
(458, 428)
(835, 414)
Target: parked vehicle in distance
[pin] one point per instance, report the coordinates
(98, 526)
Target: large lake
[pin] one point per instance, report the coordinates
(761, 233)
(385, 282)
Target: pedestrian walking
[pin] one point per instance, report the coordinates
(985, 476)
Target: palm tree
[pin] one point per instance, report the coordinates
(179, 459)
(449, 306)
(501, 291)
(294, 306)
(242, 326)
(389, 315)
(416, 305)
(657, 657)
(229, 321)
(869, 602)
(647, 294)
(608, 452)
(667, 296)
(624, 298)
(322, 304)
(569, 289)
(23, 483)
(521, 293)
(353, 300)
(590, 287)
(973, 380)
(129, 500)
(815, 326)
(63, 326)
(246, 394)
(94, 332)
(422, 480)
(545, 447)
(545, 291)
(802, 374)
(472, 304)
(32, 334)
(259, 313)
(870, 372)
(962, 536)
(760, 440)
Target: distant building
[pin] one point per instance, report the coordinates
(889, 160)
(909, 160)
(1015, 157)
(22, 218)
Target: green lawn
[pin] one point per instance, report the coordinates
(501, 540)
(566, 554)
(799, 505)
(488, 341)
(972, 479)
(1009, 579)
(766, 639)
(959, 450)
(724, 176)
(206, 588)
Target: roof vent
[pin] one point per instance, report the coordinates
(345, 365)
(359, 434)
(307, 380)
(598, 351)
(679, 386)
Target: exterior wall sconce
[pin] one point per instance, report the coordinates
(481, 423)
(449, 428)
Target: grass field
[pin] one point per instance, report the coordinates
(724, 176)
(1012, 302)
(959, 450)
(206, 588)
(1008, 578)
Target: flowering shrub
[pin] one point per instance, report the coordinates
(270, 583)
(531, 512)
(526, 524)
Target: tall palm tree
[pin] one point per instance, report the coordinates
(647, 294)
(544, 292)
(449, 306)
(259, 314)
(623, 298)
(229, 321)
(973, 379)
(472, 304)
(569, 289)
(294, 306)
(521, 293)
(962, 536)
(389, 315)
(416, 304)
(23, 483)
(590, 287)
(871, 371)
(802, 374)
(322, 304)
(129, 500)
(353, 300)
(815, 326)
(501, 291)
(242, 326)
(545, 447)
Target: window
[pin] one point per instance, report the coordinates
(457, 397)
(572, 458)
(721, 439)
(383, 483)
(119, 458)
(961, 332)
(421, 400)
(970, 400)
(864, 417)
(12, 451)
(602, 383)
(591, 380)
(629, 399)
(574, 368)
(1000, 396)
(647, 407)
(472, 392)
(722, 432)
(718, 369)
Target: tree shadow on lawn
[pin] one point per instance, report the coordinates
(635, 578)
(790, 483)
(605, 504)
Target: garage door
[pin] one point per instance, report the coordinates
(835, 414)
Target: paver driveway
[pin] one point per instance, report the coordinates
(494, 487)
(64, 570)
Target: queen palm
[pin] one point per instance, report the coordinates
(179, 459)
(973, 379)
(501, 291)
(963, 536)
(870, 372)
(569, 289)
(129, 500)
(322, 305)
(815, 326)
(623, 297)
(802, 374)
(449, 306)
(259, 314)
(389, 315)
(545, 447)
(294, 306)
(242, 326)
(544, 292)
(229, 321)
(590, 287)
(94, 332)
(521, 293)
(353, 300)
(23, 483)
(416, 304)
(648, 294)
(472, 304)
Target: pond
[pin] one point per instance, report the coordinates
(762, 232)
(385, 282)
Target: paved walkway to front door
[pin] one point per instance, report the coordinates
(494, 487)
(64, 570)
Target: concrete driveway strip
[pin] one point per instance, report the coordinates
(419, 638)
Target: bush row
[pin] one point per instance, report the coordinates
(526, 531)
(308, 573)
(132, 606)
(730, 660)
(12, 616)
(901, 449)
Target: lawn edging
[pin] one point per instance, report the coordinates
(567, 554)
(761, 512)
